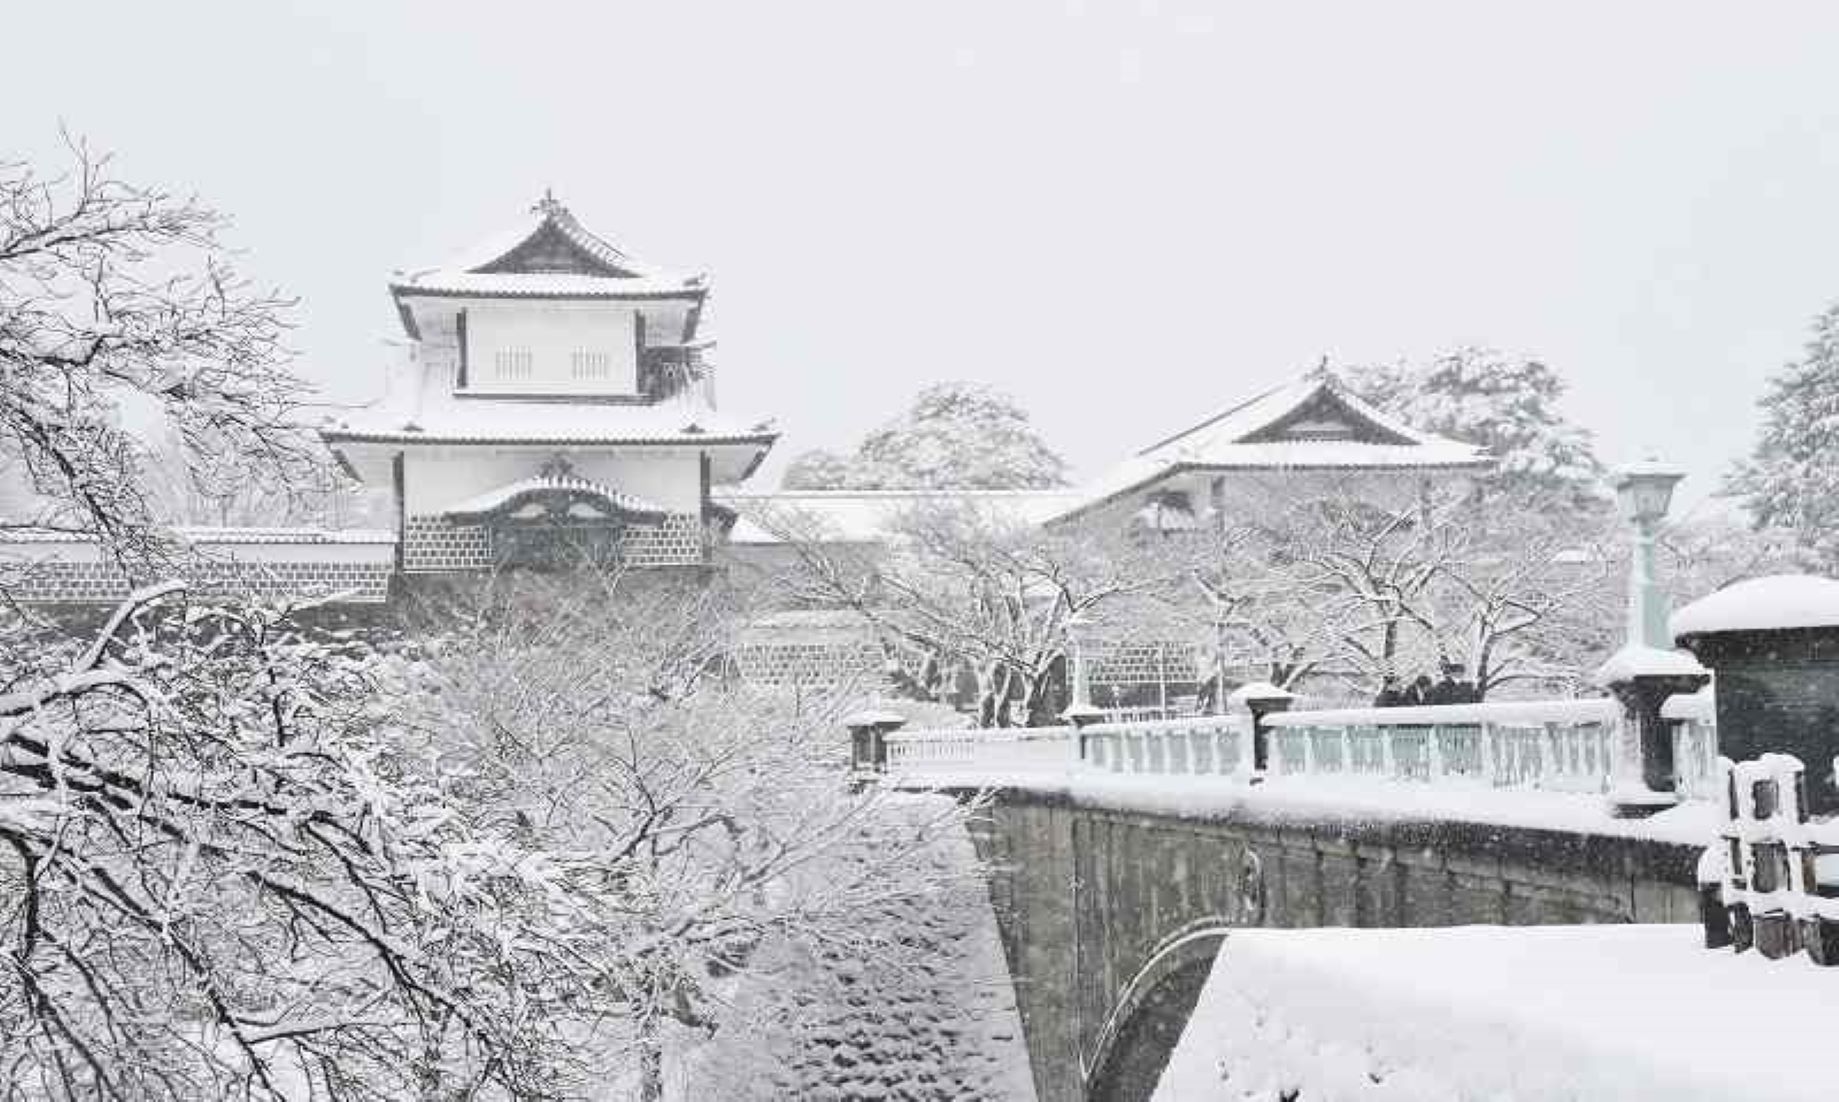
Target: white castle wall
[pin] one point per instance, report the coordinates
(551, 347)
(438, 479)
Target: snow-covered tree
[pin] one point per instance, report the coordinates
(119, 306)
(175, 497)
(1791, 479)
(1341, 585)
(957, 436)
(723, 847)
(957, 586)
(224, 879)
(818, 469)
(1509, 405)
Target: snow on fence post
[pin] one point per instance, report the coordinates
(1261, 699)
(868, 739)
(1549, 752)
(1085, 746)
(1774, 867)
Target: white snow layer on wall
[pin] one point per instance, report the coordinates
(1502, 1014)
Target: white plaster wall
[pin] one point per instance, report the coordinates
(436, 479)
(552, 333)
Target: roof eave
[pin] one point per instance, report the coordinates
(410, 290)
(351, 436)
(1479, 463)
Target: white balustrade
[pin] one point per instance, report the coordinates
(1695, 744)
(1565, 746)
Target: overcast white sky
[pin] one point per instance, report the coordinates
(1124, 214)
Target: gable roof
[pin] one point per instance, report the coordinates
(1313, 422)
(546, 254)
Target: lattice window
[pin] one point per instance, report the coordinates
(514, 363)
(590, 363)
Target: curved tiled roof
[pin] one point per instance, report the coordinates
(443, 419)
(1250, 436)
(547, 254)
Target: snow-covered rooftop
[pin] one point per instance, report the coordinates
(209, 535)
(432, 414)
(1778, 602)
(547, 254)
(867, 516)
(1309, 423)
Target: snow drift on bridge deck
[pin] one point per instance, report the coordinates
(1502, 1014)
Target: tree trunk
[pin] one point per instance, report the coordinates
(651, 1063)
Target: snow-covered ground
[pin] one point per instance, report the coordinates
(1503, 1014)
(1313, 798)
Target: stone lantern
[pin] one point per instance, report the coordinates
(1261, 699)
(868, 738)
(1644, 491)
(1774, 645)
(1645, 672)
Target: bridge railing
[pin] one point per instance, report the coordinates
(1198, 744)
(1695, 744)
(989, 749)
(1558, 745)
(1561, 746)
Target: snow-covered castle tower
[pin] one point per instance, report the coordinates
(557, 403)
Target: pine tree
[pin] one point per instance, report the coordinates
(1791, 479)
(1508, 405)
(957, 435)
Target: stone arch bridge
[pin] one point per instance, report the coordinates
(1110, 917)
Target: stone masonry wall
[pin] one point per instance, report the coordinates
(105, 582)
(675, 542)
(434, 543)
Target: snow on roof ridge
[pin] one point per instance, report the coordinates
(1296, 392)
(553, 480)
(463, 271)
(893, 493)
(1217, 417)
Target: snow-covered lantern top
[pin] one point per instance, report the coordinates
(1774, 645)
(1644, 490)
(868, 738)
(1260, 696)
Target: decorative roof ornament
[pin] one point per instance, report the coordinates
(549, 206)
(556, 469)
(1322, 371)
